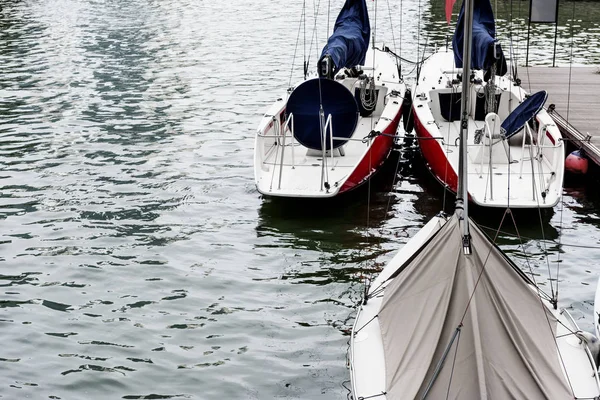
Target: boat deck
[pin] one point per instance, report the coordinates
(574, 92)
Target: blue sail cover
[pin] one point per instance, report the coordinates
(484, 37)
(523, 113)
(348, 44)
(305, 104)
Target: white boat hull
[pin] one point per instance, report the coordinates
(523, 172)
(367, 356)
(285, 168)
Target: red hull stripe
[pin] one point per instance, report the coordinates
(374, 158)
(434, 156)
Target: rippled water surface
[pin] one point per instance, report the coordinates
(137, 259)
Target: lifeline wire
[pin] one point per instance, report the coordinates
(562, 204)
(546, 314)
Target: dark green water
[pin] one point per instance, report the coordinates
(137, 259)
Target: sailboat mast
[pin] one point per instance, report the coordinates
(462, 194)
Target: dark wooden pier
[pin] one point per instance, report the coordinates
(575, 94)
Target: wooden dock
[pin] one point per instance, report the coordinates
(575, 94)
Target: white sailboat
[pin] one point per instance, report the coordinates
(515, 152)
(596, 344)
(451, 317)
(331, 133)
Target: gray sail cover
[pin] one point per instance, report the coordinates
(506, 347)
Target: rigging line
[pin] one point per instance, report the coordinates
(509, 170)
(546, 256)
(304, 43)
(526, 66)
(447, 142)
(277, 146)
(391, 25)
(368, 212)
(369, 145)
(328, 14)
(314, 33)
(566, 334)
(539, 290)
(324, 168)
(453, 364)
(537, 199)
(372, 396)
(447, 34)
(404, 59)
(482, 268)
(373, 70)
(400, 39)
(540, 301)
(496, 7)
(518, 36)
(322, 126)
(366, 323)
(551, 332)
(302, 19)
(423, 59)
(418, 36)
(442, 360)
(394, 38)
(375, 31)
(489, 166)
(380, 289)
(548, 241)
(562, 204)
(571, 333)
(412, 70)
(513, 53)
(417, 64)
(570, 63)
(394, 177)
(414, 92)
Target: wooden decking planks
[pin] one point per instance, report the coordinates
(576, 94)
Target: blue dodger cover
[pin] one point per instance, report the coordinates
(304, 104)
(349, 41)
(523, 113)
(484, 37)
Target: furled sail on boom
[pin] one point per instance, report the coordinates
(348, 44)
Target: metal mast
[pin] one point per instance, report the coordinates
(462, 194)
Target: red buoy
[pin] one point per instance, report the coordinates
(576, 163)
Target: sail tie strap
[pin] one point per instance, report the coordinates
(367, 323)
(372, 396)
(440, 364)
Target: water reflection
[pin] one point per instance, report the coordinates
(135, 249)
(585, 201)
(343, 220)
(578, 32)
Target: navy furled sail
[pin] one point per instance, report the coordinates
(348, 44)
(485, 51)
